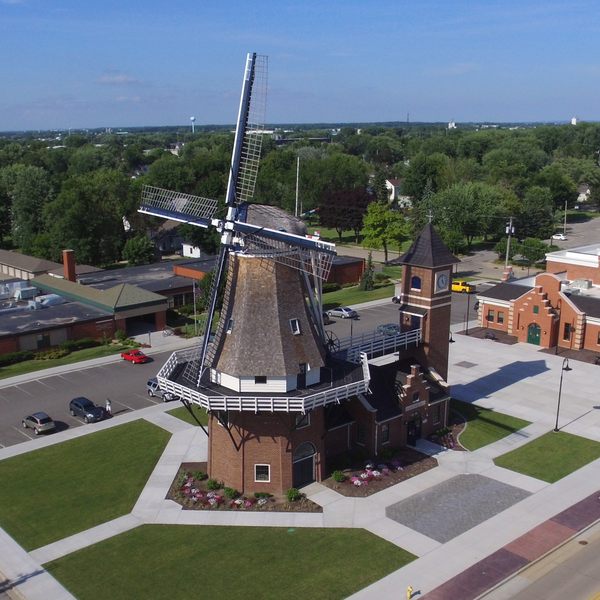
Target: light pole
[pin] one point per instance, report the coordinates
(565, 367)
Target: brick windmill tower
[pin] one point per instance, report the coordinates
(267, 379)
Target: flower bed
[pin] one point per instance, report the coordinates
(375, 476)
(195, 491)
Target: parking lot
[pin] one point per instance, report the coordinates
(123, 383)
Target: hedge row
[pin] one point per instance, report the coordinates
(63, 349)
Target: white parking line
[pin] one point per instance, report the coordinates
(122, 404)
(45, 384)
(25, 391)
(23, 431)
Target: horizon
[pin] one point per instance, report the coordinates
(502, 61)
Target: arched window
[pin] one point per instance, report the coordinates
(415, 283)
(304, 451)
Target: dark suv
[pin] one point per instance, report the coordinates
(86, 409)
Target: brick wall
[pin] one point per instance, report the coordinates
(262, 439)
(347, 273)
(8, 345)
(575, 271)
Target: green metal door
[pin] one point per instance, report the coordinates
(533, 334)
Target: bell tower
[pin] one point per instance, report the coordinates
(425, 296)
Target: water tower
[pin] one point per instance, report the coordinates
(193, 120)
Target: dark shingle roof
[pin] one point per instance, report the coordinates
(27, 263)
(505, 291)
(587, 304)
(428, 250)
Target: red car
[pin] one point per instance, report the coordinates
(135, 356)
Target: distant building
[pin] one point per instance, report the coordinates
(394, 188)
(451, 125)
(559, 308)
(573, 120)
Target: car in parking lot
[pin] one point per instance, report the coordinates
(559, 236)
(135, 356)
(463, 286)
(40, 422)
(327, 320)
(86, 409)
(388, 329)
(344, 312)
(154, 390)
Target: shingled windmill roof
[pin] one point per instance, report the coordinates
(428, 250)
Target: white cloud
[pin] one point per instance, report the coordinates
(117, 78)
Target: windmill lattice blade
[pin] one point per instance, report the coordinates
(253, 131)
(177, 205)
(310, 261)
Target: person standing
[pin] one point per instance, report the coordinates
(108, 407)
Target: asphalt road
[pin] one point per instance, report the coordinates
(125, 383)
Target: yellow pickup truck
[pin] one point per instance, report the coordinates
(463, 286)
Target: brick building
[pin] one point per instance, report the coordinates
(282, 408)
(559, 308)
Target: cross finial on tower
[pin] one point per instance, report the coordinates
(430, 216)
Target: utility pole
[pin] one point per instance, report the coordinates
(510, 230)
(565, 225)
(297, 183)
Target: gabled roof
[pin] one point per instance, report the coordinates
(505, 291)
(119, 297)
(27, 263)
(428, 250)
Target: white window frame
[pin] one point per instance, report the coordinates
(295, 326)
(268, 480)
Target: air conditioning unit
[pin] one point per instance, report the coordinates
(582, 284)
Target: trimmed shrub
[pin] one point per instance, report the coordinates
(266, 495)
(12, 358)
(331, 287)
(387, 453)
(120, 335)
(213, 484)
(339, 476)
(230, 493)
(380, 277)
(200, 475)
(51, 354)
(293, 495)
(73, 345)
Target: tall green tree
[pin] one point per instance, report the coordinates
(139, 250)
(383, 227)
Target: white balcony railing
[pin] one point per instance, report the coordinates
(309, 401)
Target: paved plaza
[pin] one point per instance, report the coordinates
(452, 517)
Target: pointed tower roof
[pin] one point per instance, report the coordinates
(428, 250)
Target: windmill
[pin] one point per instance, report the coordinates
(246, 230)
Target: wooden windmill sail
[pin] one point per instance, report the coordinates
(269, 264)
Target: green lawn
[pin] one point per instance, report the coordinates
(184, 414)
(352, 295)
(54, 492)
(484, 426)
(169, 561)
(552, 456)
(29, 366)
(392, 272)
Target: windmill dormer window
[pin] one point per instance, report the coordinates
(229, 326)
(260, 379)
(415, 283)
(295, 326)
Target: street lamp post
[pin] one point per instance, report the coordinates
(565, 367)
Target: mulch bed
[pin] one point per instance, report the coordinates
(406, 463)
(190, 489)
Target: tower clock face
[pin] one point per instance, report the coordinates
(441, 281)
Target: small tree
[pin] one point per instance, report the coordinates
(138, 250)
(366, 280)
(383, 226)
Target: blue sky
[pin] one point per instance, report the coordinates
(119, 63)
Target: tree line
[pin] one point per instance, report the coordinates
(80, 190)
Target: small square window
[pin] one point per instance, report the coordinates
(302, 421)
(490, 316)
(260, 379)
(229, 326)
(536, 309)
(415, 396)
(262, 473)
(385, 433)
(500, 317)
(295, 326)
(567, 332)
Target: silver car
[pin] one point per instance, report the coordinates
(344, 312)
(40, 422)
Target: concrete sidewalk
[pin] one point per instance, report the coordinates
(517, 380)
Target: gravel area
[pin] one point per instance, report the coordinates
(455, 506)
